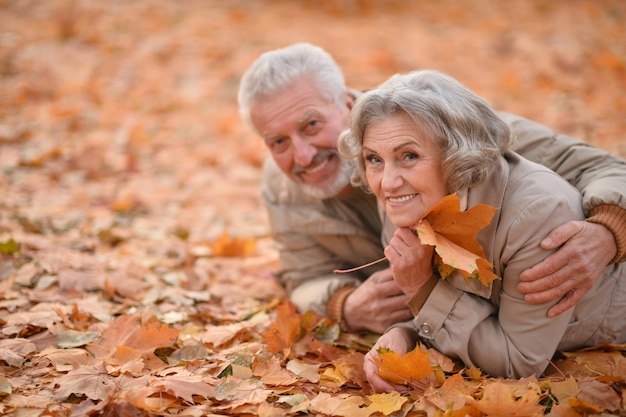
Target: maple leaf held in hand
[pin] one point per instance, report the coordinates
(453, 234)
(408, 369)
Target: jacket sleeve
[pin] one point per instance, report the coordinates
(312, 244)
(599, 175)
(306, 271)
(503, 335)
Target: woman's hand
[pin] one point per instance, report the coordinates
(411, 262)
(400, 340)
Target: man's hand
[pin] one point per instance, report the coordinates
(573, 269)
(376, 304)
(400, 341)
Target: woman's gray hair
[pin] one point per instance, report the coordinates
(276, 70)
(468, 132)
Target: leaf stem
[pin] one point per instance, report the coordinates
(344, 271)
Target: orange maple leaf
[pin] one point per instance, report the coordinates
(453, 234)
(227, 245)
(285, 330)
(407, 369)
(500, 399)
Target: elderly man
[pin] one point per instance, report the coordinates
(296, 99)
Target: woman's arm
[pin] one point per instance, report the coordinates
(583, 249)
(503, 335)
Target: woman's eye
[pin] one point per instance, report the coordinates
(372, 159)
(410, 156)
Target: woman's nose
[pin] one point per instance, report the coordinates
(392, 179)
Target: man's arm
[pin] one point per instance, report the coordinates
(585, 248)
(314, 238)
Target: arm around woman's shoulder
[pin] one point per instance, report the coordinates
(499, 332)
(599, 175)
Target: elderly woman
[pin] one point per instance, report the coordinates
(421, 136)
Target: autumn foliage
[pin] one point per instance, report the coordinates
(137, 273)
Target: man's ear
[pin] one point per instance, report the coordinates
(349, 100)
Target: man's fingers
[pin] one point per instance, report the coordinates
(544, 269)
(552, 293)
(567, 302)
(561, 235)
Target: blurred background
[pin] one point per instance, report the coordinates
(121, 106)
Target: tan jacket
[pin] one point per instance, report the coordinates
(314, 236)
(493, 328)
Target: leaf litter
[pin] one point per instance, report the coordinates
(137, 273)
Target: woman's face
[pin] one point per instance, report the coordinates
(403, 169)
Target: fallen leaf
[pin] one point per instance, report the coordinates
(227, 245)
(407, 369)
(92, 381)
(284, 331)
(386, 403)
(185, 387)
(339, 405)
(499, 399)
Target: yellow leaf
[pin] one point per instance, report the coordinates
(403, 369)
(387, 403)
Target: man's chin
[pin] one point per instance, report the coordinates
(333, 189)
(322, 192)
(328, 191)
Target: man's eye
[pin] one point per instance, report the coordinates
(279, 145)
(312, 127)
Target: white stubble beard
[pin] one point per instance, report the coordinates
(339, 184)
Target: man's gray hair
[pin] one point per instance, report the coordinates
(276, 70)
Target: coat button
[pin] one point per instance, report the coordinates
(425, 328)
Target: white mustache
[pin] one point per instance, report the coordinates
(320, 156)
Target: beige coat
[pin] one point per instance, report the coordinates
(493, 328)
(315, 236)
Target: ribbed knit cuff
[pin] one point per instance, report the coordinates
(334, 307)
(613, 218)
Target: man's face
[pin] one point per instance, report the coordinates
(301, 129)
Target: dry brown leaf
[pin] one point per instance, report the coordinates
(91, 380)
(185, 387)
(339, 405)
(271, 372)
(284, 331)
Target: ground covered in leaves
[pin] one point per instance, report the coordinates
(136, 269)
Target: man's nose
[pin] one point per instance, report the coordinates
(303, 151)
